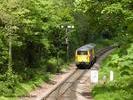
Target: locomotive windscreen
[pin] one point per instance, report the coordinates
(82, 53)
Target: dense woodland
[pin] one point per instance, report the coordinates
(33, 42)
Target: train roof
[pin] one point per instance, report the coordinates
(87, 47)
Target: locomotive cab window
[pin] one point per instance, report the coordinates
(82, 52)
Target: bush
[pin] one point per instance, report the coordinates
(8, 83)
(52, 65)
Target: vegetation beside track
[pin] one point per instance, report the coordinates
(34, 36)
(23, 88)
(122, 66)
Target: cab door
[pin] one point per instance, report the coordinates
(91, 54)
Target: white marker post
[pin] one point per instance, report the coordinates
(94, 76)
(111, 76)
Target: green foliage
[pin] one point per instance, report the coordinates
(8, 83)
(53, 65)
(114, 8)
(36, 38)
(39, 43)
(121, 87)
(102, 18)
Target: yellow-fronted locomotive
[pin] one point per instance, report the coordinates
(85, 55)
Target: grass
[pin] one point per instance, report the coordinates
(23, 88)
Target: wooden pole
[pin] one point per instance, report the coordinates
(67, 44)
(10, 50)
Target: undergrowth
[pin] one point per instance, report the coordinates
(15, 85)
(121, 87)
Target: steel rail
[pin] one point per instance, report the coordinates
(62, 88)
(57, 86)
(74, 81)
(67, 82)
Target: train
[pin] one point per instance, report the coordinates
(85, 56)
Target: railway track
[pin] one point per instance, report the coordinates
(59, 91)
(65, 90)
